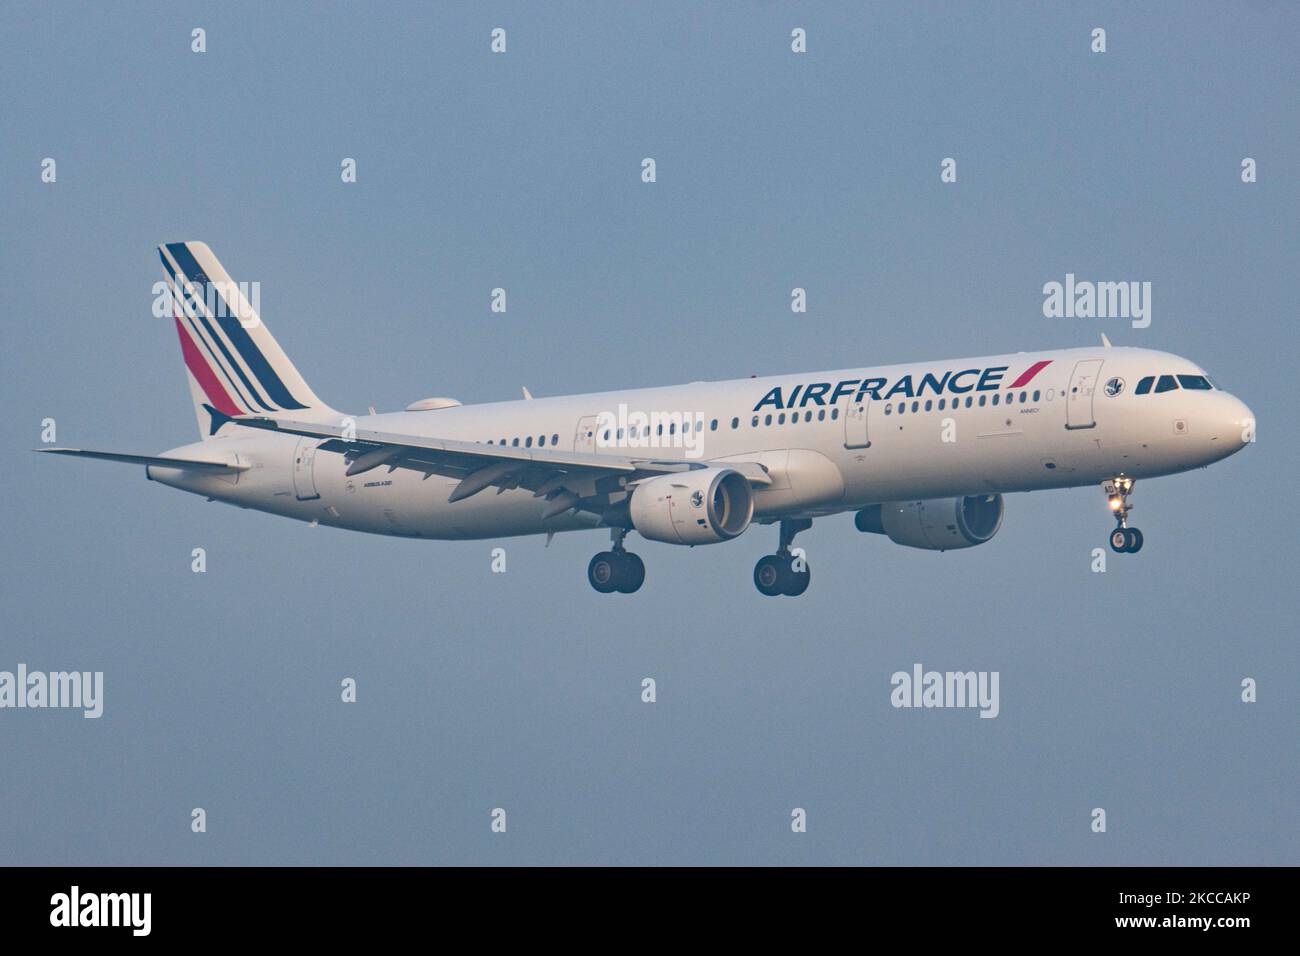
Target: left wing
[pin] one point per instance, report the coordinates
(160, 461)
(566, 479)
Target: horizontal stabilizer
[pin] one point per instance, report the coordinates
(189, 464)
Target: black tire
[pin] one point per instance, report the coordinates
(1119, 540)
(795, 582)
(1135, 541)
(631, 573)
(768, 575)
(603, 572)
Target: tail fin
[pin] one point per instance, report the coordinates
(233, 364)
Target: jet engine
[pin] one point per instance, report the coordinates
(702, 506)
(940, 524)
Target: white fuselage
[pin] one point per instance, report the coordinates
(850, 446)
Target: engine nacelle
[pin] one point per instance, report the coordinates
(703, 506)
(940, 524)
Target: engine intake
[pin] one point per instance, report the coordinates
(703, 506)
(939, 524)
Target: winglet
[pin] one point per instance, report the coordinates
(1105, 341)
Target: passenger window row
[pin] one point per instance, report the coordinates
(943, 404)
(528, 441)
(780, 419)
(792, 418)
(821, 414)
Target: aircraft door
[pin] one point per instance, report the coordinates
(304, 469)
(855, 422)
(584, 436)
(1078, 399)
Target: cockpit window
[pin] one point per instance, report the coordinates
(1166, 384)
(1195, 382)
(1144, 386)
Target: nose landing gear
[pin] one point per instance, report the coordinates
(1123, 540)
(783, 572)
(616, 569)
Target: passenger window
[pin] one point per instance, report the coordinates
(889, 408)
(835, 413)
(1144, 386)
(983, 399)
(1166, 384)
(735, 423)
(915, 406)
(555, 439)
(754, 423)
(902, 407)
(1197, 383)
(807, 416)
(514, 442)
(1036, 394)
(821, 414)
(528, 442)
(713, 425)
(780, 419)
(968, 401)
(767, 419)
(929, 404)
(995, 398)
(941, 403)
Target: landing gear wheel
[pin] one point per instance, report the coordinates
(602, 572)
(631, 573)
(775, 574)
(1126, 540)
(769, 575)
(795, 582)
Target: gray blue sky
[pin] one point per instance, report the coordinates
(775, 170)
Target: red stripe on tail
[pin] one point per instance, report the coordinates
(202, 373)
(1030, 373)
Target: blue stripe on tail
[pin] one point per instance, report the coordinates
(238, 335)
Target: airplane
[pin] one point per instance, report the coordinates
(921, 453)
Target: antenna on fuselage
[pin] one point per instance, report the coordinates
(1105, 342)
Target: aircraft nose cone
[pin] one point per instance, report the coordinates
(1236, 423)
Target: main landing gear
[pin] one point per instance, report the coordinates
(1123, 540)
(617, 569)
(784, 573)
